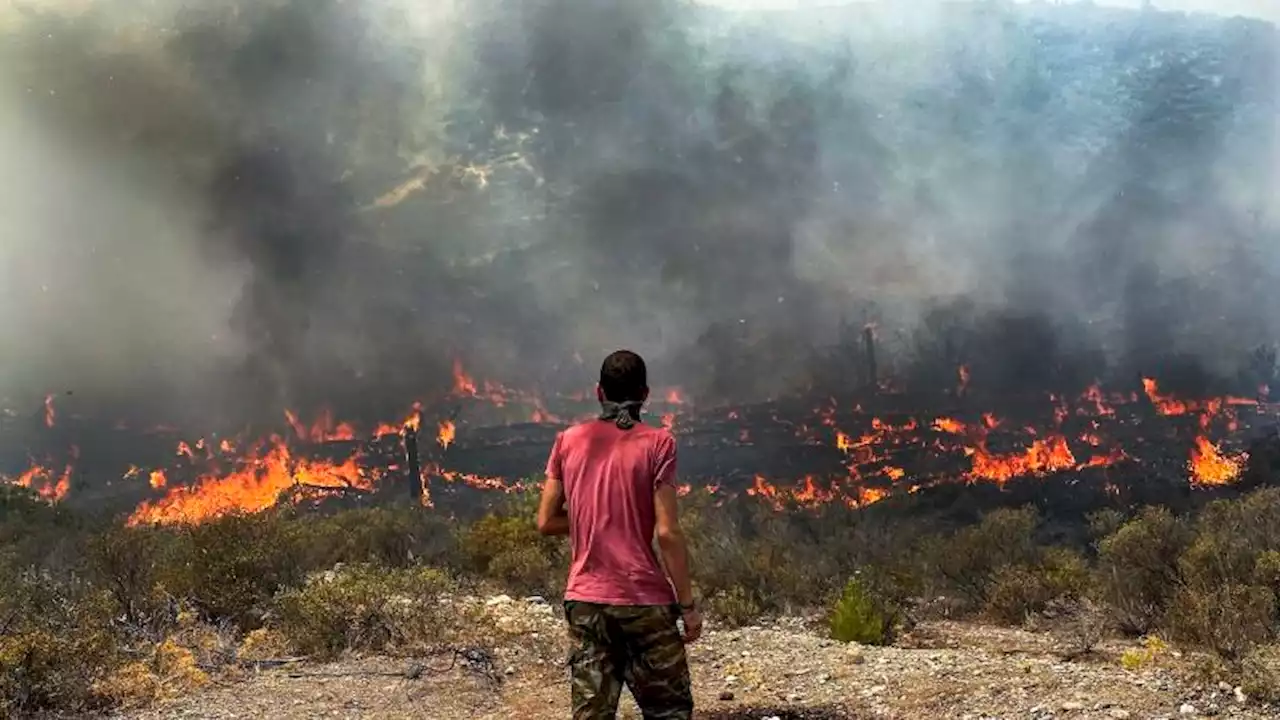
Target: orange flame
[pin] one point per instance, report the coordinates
(254, 488)
(1209, 466)
(446, 433)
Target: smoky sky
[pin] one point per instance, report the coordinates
(225, 208)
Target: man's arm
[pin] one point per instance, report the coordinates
(553, 519)
(671, 542)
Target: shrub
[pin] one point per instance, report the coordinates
(232, 567)
(1018, 591)
(364, 608)
(1138, 568)
(1230, 620)
(735, 607)
(858, 616)
(56, 641)
(970, 559)
(509, 549)
(390, 536)
(1260, 674)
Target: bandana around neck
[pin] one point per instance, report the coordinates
(620, 413)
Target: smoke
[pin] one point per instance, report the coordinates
(224, 209)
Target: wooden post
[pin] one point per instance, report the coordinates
(415, 467)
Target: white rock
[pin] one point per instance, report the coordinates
(1187, 709)
(1240, 696)
(1118, 713)
(498, 600)
(1072, 705)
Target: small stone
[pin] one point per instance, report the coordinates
(536, 600)
(823, 679)
(510, 670)
(726, 696)
(1118, 713)
(1187, 709)
(730, 679)
(1240, 696)
(1072, 705)
(793, 697)
(498, 600)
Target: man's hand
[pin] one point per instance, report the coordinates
(692, 624)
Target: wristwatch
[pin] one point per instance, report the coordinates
(690, 607)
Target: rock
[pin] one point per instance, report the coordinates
(498, 600)
(730, 679)
(1117, 713)
(1240, 696)
(536, 600)
(1187, 709)
(1072, 705)
(510, 670)
(726, 696)
(793, 697)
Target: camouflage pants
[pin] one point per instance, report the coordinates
(636, 645)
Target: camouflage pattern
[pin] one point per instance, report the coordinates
(636, 645)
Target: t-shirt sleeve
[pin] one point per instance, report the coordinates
(555, 463)
(664, 462)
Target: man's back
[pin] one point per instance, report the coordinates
(609, 476)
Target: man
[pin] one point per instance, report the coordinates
(617, 478)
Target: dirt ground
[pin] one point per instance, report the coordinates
(783, 670)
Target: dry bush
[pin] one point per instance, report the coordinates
(56, 641)
(1230, 619)
(1260, 674)
(229, 569)
(1016, 592)
(1078, 624)
(505, 546)
(1137, 573)
(365, 608)
(397, 536)
(970, 558)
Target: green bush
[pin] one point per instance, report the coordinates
(365, 608)
(971, 558)
(858, 616)
(1137, 571)
(508, 548)
(1231, 620)
(229, 569)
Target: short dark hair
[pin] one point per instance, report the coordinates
(623, 377)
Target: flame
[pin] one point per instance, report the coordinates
(49, 487)
(253, 488)
(1093, 396)
(322, 430)
(949, 425)
(674, 397)
(1209, 466)
(158, 479)
(446, 433)
(49, 414)
(1049, 454)
(843, 442)
(463, 385)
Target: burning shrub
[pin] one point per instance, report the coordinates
(859, 616)
(365, 608)
(1138, 568)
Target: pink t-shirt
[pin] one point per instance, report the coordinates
(609, 477)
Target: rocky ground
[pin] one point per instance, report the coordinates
(782, 670)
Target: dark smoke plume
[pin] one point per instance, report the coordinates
(222, 208)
